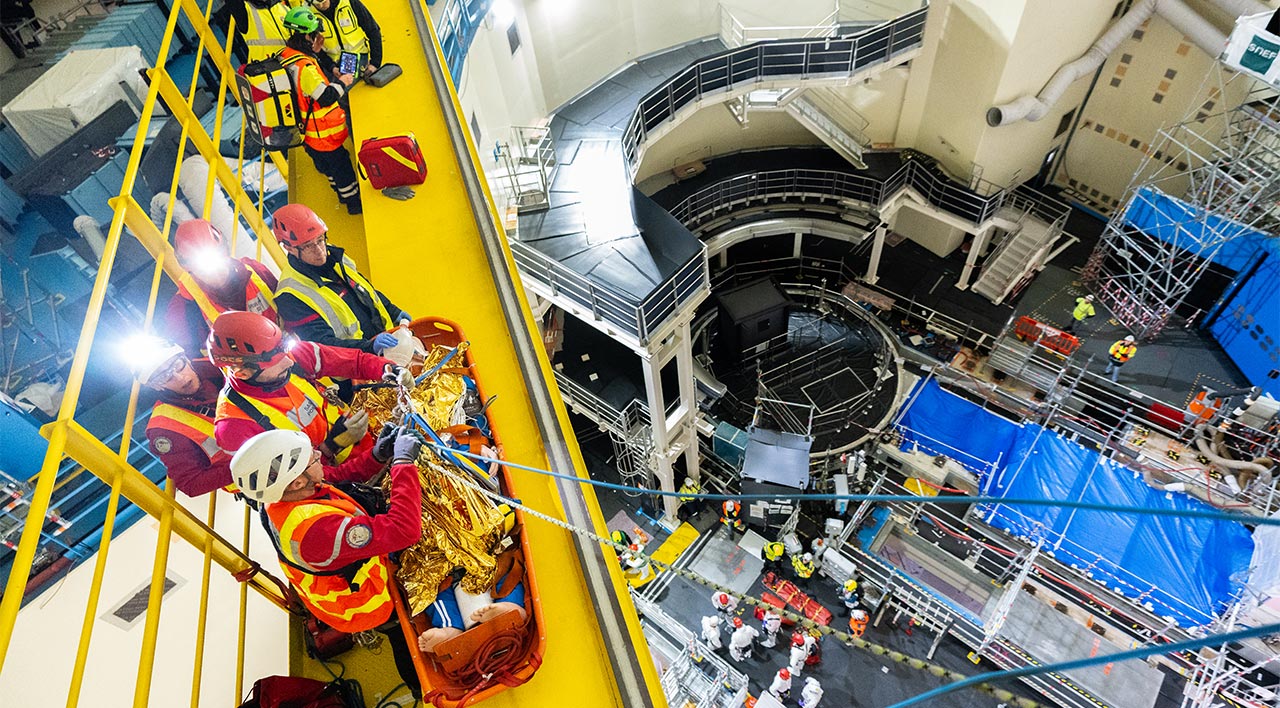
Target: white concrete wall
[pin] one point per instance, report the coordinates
(714, 131)
(1152, 80)
(922, 228)
(499, 88)
(979, 53)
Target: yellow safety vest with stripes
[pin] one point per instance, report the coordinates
(344, 34)
(265, 33)
(333, 309)
(313, 414)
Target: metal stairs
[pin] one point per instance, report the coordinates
(833, 121)
(1021, 252)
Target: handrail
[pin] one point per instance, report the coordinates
(734, 33)
(916, 173)
(635, 316)
(792, 59)
(67, 438)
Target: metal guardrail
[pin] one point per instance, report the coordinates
(634, 316)
(734, 33)
(789, 59)
(916, 173)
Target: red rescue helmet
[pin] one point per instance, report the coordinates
(244, 338)
(797, 640)
(722, 598)
(784, 674)
(296, 225)
(196, 240)
(737, 621)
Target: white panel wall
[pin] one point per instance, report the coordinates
(714, 131)
(934, 235)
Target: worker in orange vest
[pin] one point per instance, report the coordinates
(319, 102)
(730, 511)
(228, 283)
(180, 431)
(272, 383)
(858, 622)
(1120, 352)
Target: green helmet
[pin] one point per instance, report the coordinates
(301, 20)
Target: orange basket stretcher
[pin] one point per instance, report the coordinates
(502, 654)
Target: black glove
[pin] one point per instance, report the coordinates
(408, 446)
(384, 446)
(348, 430)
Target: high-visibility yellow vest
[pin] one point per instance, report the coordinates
(1121, 351)
(333, 309)
(773, 551)
(689, 489)
(803, 570)
(303, 408)
(265, 33)
(1084, 309)
(344, 34)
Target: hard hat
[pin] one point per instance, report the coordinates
(688, 482)
(797, 640)
(301, 19)
(198, 245)
(850, 585)
(784, 674)
(266, 465)
(618, 537)
(858, 615)
(634, 548)
(149, 355)
(242, 338)
(295, 224)
(1129, 338)
(810, 680)
(737, 621)
(807, 558)
(1088, 298)
(722, 598)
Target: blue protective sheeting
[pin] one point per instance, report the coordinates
(1183, 567)
(1174, 221)
(1248, 327)
(942, 423)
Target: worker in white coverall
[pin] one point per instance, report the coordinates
(781, 686)
(740, 642)
(711, 631)
(725, 603)
(771, 624)
(798, 655)
(812, 693)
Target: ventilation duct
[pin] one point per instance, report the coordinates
(1183, 18)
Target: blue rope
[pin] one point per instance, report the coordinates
(892, 498)
(994, 676)
(447, 357)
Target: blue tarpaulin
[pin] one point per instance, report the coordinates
(1183, 567)
(941, 423)
(1174, 221)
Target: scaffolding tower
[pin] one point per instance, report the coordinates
(1205, 181)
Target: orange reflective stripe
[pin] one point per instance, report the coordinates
(347, 605)
(192, 426)
(284, 412)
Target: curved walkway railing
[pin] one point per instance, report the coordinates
(741, 190)
(637, 317)
(790, 59)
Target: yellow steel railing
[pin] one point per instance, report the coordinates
(67, 438)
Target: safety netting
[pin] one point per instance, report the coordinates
(1182, 568)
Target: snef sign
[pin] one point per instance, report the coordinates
(1259, 55)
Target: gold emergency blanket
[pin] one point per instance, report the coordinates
(460, 526)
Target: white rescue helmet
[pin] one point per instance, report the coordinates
(149, 355)
(266, 465)
(807, 558)
(688, 482)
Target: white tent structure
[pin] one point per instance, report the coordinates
(73, 92)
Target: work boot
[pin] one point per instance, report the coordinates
(355, 207)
